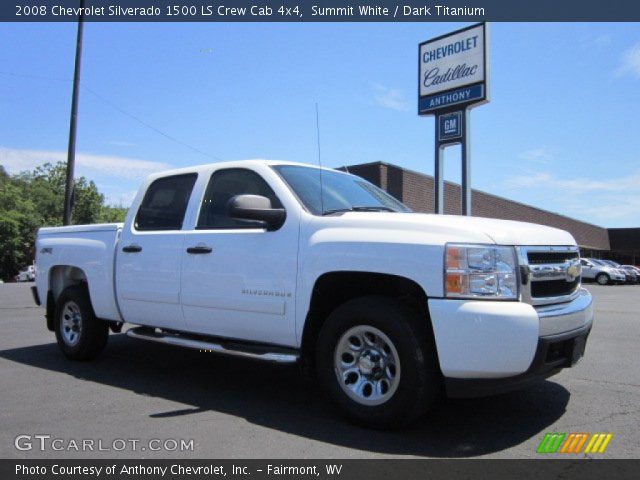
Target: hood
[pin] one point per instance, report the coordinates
(455, 228)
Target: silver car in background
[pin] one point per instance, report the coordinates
(628, 270)
(600, 272)
(629, 277)
(634, 269)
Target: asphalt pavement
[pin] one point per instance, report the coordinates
(139, 397)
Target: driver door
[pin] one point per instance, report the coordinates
(238, 279)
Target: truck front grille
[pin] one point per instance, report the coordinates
(538, 258)
(554, 288)
(553, 273)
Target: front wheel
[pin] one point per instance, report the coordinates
(80, 335)
(602, 279)
(376, 360)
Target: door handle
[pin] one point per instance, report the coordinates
(132, 248)
(200, 249)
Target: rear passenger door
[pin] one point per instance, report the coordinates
(149, 255)
(238, 280)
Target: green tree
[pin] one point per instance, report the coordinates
(111, 214)
(35, 199)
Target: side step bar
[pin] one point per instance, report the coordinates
(267, 353)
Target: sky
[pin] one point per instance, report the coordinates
(561, 131)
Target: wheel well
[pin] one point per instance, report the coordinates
(61, 277)
(335, 288)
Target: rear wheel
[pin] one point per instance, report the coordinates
(602, 278)
(80, 335)
(376, 360)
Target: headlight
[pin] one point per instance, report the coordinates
(480, 271)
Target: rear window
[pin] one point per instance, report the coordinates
(165, 203)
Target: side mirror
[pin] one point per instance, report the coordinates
(257, 208)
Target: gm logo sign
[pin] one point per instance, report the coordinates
(450, 126)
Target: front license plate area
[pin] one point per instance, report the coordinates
(578, 349)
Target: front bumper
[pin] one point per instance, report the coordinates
(553, 353)
(505, 344)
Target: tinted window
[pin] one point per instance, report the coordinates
(165, 202)
(224, 185)
(339, 190)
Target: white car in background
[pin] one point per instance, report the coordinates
(600, 272)
(27, 274)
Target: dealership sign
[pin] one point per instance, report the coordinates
(452, 78)
(453, 70)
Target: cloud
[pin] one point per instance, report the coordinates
(627, 183)
(618, 207)
(536, 155)
(390, 98)
(599, 200)
(119, 143)
(600, 41)
(17, 160)
(121, 199)
(630, 62)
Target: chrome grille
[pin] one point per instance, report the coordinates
(554, 288)
(549, 274)
(537, 258)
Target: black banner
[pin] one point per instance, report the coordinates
(319, 10)
(582, 469)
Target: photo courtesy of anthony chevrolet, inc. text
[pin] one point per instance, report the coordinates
(332, 239)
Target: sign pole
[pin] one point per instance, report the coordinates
(466, 165)
(453, 77)
(438, 177)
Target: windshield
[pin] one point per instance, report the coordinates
(340, 191)
(600, 262)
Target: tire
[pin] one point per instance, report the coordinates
(392, 377)
(602, 279)
(80, 335)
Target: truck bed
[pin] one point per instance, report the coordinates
(85, 251)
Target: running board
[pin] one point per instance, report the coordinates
(268, 353)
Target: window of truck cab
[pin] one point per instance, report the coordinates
(225, 184)
(165, 203)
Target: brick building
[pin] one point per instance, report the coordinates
(416, 191)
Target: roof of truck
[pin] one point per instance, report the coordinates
(234, 163)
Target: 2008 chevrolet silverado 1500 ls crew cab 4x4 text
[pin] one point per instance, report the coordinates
(288, 262)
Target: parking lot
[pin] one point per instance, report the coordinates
(234, 408)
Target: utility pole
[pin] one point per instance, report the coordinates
(71, 155)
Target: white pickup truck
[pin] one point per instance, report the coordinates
(288, 262)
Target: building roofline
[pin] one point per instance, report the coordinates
(386, 164)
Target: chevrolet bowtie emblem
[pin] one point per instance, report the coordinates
(573, 272)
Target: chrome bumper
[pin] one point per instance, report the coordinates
(564, 317)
